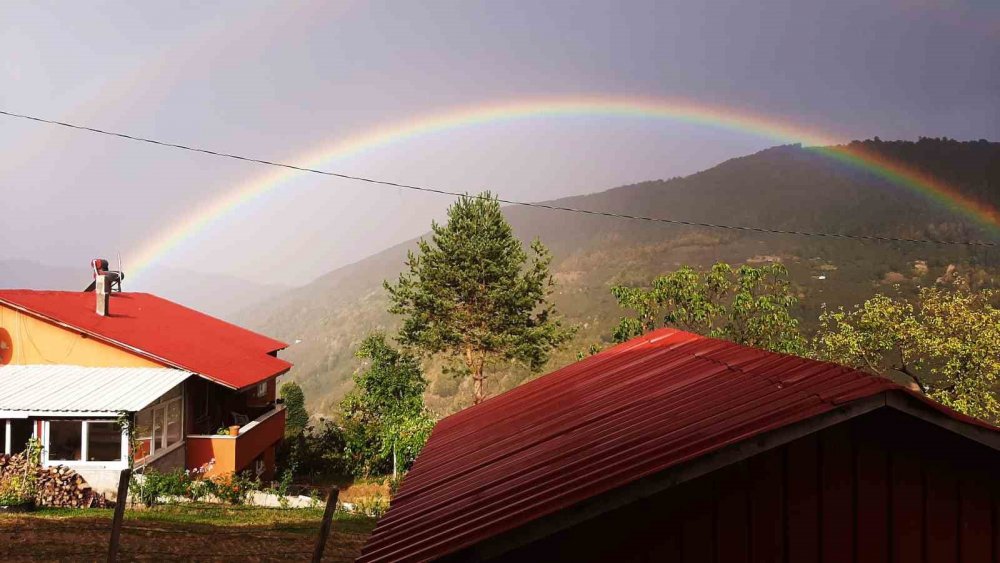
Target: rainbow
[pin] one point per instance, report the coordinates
(230, 202)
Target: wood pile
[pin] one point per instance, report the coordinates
(56, 486)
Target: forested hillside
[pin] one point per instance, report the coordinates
(786, 187)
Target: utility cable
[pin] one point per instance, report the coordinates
(551, 207)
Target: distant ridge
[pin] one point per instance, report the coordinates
(785, 187)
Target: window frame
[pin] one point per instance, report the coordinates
(158, 443)
(7, 423)
(84, 446)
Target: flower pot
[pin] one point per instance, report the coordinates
(27, 506)
(234, 430)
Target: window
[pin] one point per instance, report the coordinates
(262, 389)
(19, 432)
(84, 440)
(104, 441)
(173, 413)
(65, 440)
(159, 425)
(14, 435)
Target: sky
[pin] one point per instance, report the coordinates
(281, 80)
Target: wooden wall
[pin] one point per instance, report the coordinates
(884, 487)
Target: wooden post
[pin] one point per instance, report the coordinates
(116, 524)
(324, 529)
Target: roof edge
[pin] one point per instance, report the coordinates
(121, 345)
(662, 480)
(900, 399)
(911, 403)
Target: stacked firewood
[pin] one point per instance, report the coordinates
(56, 486)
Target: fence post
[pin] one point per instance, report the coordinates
(116, 524)
(324, 529)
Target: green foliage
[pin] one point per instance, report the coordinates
(385, 421)
(315, 454)
(748, 305)
(946, 343)
(472, 293)
(374, 506)
(232, 488)
(296, 417)
(156, 487)
(18, 484)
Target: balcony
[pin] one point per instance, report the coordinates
(229, 454)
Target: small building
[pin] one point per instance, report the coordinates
(70, 367)
(677, 447)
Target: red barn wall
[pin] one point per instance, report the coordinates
(885, 487)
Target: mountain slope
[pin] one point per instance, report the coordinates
(786, 187)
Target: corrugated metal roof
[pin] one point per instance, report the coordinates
(51, 388)
(637, 409)
(163, 331)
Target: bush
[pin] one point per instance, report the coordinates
(156, 485)
(232, 488)
(19, 477)
(15, 489)
(374, 506)
(317, 453)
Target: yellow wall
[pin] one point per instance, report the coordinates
(32, 341)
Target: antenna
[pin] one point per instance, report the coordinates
(121, 272)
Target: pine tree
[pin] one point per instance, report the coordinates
(472, 293)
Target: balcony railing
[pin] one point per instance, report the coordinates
(227, 454)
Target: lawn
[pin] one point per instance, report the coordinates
(189, 532)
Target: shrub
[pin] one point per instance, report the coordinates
(232, 488)
(18, 484)
(374, 506)
(157, 485)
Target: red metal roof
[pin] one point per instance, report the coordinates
(634, 410)
(161, 330)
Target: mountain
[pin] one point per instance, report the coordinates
(216, 294)
(785, 187)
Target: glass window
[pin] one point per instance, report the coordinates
(65, 440)
(20, 432)
(144, 444)
(104, 441)
(172, 394)
(157, 428)
(3, 436)
(173, 422)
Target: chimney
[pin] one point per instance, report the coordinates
(103, 292)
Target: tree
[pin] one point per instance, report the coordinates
(748, 305)
(945, 344)
(385, 421)
(296, 416)
(472, 293)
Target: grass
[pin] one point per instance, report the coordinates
(195, 531)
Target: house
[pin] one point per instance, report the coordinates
(677, 447)
(71, 363)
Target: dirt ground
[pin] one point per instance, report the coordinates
(31, 538)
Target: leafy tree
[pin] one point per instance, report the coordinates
(945, 343)
(296, 416)
(385, 421)
(747, 305)
(472, 293)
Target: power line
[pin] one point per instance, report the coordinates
(426, 189)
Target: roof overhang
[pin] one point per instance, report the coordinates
(60, 390)
(898, 400)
